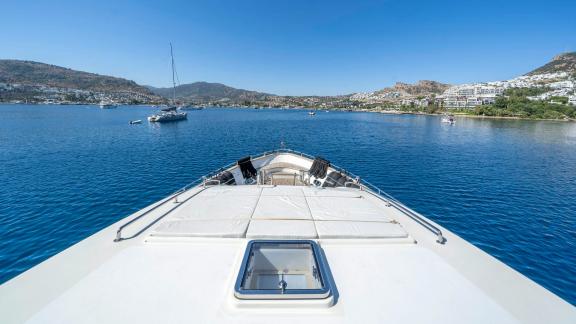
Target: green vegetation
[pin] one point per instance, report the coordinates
(562, 100)
(526, 92)
(518, 105)
(432, 108)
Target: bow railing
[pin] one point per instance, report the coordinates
(207, 180)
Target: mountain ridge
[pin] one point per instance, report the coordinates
(35, 81)
(209, 91)
(38, 82)
(564, 62)
(31, 72)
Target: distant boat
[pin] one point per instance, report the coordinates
(169, 114)
(311, 113)
(107, 104)
(448, 119)
(138, 121)
(190, 107)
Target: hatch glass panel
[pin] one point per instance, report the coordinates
(282, 270)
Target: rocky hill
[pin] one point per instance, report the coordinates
(421, 88)
(565, 62)
(34, 81)
(205, 91)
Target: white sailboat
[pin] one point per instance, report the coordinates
(281, 237)
(169, 113)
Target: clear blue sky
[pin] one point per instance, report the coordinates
(292, 47)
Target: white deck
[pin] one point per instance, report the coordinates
(179, 262)
(281, 212)
(186, 283)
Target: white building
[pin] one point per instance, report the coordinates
(562, 85)
(471, 95)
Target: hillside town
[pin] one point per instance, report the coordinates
(42, 94)
(559, 84)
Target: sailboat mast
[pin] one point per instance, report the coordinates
(173, 79)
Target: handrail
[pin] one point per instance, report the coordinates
(391, 201)
(204, 180)
(162, 202)
(364, 185)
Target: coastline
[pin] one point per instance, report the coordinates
(460, 114)
(387, 112)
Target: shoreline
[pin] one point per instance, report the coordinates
(386, 112)
(465, 115)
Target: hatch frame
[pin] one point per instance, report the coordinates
(283, 294)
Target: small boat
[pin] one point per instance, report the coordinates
(448, 119)
(311, 113)
(133, 122)
(190, 107)
(107, 104)
(169, 113)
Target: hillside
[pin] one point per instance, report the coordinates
(565, 62)
(205, 91)
(33, 82)
(421, 88)
(27, 72)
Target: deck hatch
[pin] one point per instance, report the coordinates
(286, 269)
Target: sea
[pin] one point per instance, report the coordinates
(506, 186)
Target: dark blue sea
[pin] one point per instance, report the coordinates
(507, 186)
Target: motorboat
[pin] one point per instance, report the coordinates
(278, 237)
(107, 104)
(448, 119)
(133, 122)
(311, 113)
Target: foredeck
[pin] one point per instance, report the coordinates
(282, 212)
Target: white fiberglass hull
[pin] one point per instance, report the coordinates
(168, 117)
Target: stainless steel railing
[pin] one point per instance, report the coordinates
(204, 180)
(364, 185)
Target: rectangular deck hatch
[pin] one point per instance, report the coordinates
(282, 270)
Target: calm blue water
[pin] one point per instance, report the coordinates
(509, 187)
